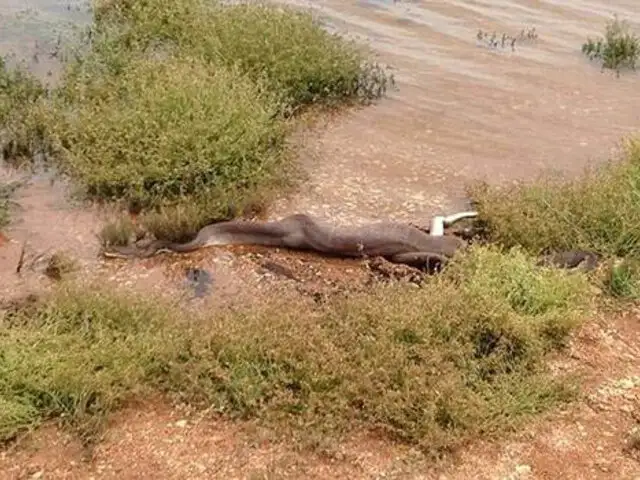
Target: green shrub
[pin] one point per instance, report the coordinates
(298, 60)
(462, 356)
(622, 280)
(598, 211)
(163, 130)
(618, 49)
(302, 62)
(22, 127)
(176, 107)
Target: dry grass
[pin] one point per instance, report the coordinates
(462, 356)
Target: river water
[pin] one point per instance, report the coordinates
(465, 111)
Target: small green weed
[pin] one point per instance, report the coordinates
(619, 48)
(622, 280)
(4, 206)
(493, 40)
(6, 193)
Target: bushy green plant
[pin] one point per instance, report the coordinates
(619, 48)
(284, 47)
(22, 126)
(176, 107)
(163, 130)
(6, 192)
(621, 280)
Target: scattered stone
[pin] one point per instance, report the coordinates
(385, 270)
(181, 423)
(278, 269)
(523, 469)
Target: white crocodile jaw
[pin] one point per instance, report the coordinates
(437, 226)
(439, 222)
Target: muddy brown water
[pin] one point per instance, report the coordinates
(463, 111)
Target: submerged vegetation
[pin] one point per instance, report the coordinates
(620, 48)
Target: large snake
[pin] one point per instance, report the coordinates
(396, 242)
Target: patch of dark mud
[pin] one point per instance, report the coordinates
(200, 280)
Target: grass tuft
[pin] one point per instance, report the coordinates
(621, 280)
(6, 193)
(462, 356)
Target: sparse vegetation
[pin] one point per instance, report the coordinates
(4, 205)
(120, 231)
(622, 280)
(493, 40)
(464, 355)
(6, 193)
(620, 48)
